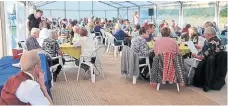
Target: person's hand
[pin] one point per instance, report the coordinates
(194, 55)
(28, 32)
(60, 53)
(182, 84)
(153, 84)
(40, 79)
(197, 56)
(198, 46)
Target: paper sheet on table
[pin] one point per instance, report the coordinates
(192, 47)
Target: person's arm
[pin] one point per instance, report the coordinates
(198, 46)
(27, 23)
(44, 90)
(144, 49)
(28, 20)
(43, 87)
(155, 49)
(58, 49)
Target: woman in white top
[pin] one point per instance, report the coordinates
(87, 47)
(86, 43)
(44, 33)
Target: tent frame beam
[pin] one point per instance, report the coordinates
(108, 4)
(122, 6)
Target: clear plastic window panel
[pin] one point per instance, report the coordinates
(168, 14)
(197, 14)
(223, 6)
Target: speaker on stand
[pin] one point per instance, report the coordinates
(151, 13)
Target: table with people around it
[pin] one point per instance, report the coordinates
(171, 60)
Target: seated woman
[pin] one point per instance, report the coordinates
(193, 35)
(135, 32)
(87, 46)
(128, 28)
(170, 44)
(97, 28)
(119, 34)
(51, 46)
(186, 28)
(139, 46)
(76, 37)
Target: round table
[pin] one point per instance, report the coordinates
(75, 52)
(183, 49)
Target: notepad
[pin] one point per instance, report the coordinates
(192, 47)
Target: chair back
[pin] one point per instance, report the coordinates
(22, 44)
(171, 65)
(98, 53)
(103, 33)
(114, 38)
(110, 37)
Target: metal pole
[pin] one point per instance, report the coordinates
(105, 14)
(65, 9)
(50, 14)
(139, 13)
(217, 13)
(182, 15)
(127, 12)
(78, 10)
(92, 7)
(118, 13)
(156, 6)
(3, 41)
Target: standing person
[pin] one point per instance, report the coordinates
(136, 18)
(34, 20)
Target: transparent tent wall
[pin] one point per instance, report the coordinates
(144, 15)
(223, 19)
(10, 20)
(78, 9)
(130, 14)
(197, 14)
(168, 13)
(21, 19)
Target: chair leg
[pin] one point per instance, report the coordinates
(148, 64)
(120, 53)
(64, 75)
(108, 48)
(52, 82)
(178, 87)
(92, 73)
(102, 72)
(134, 79)
(79, 68)
(115, 50)
(190, 71)
(158, 86)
